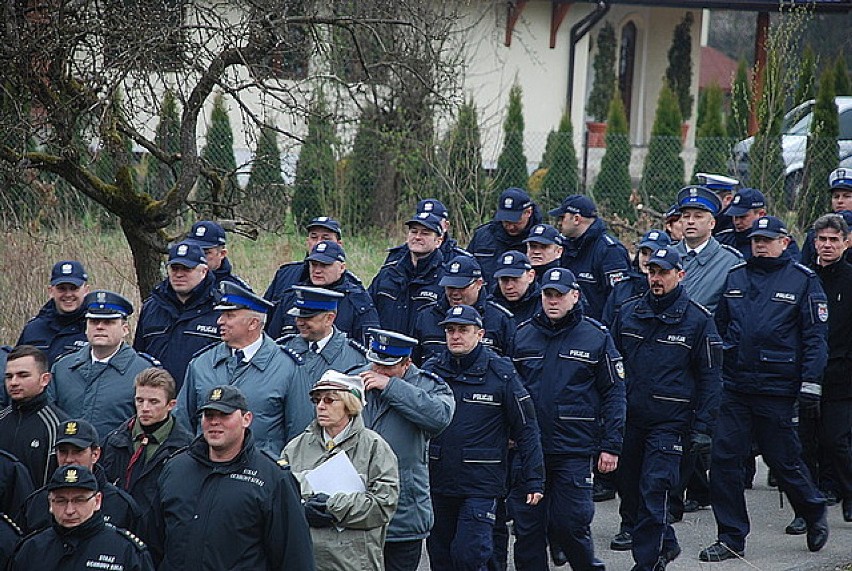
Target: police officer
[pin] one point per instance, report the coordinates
(135, 452)
(10, 535)
(544, 248)
(636, 282)
(598, 260)
(672, 354)
(210, 237)
(449, 246)
(320, 344)
(269, 375)
(79, 539)
(252, 515)
(463, 285)
(405, 285)
(60, 326)
(773, 321)
(575, 377)
(77, 444)
(517, 287)
(95, 383)
(468, 461)
(179, 318)
(355, 310)
(673, 223)
(28, 426)
(15, 484)
(748, 205)
(407, 407)
(840, 187)
(724, 187)
(515, 216)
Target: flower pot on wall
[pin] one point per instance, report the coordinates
(597, 134)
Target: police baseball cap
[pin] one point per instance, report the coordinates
(310, 301)
(206, 234)
(716, 182)
(389, 347)
(666, 258)
(68, 272)
(433, 206)
(673, 213)
(462, 315)
(102, 304)
(654, 239)
(325, 222)
(768, 227)
(544, 234)
(460, 272)
(840, 179)
(699, 197)
(513, 202)
(512, 264)
(235, 296)
(77, 432)
(185, 254)
(560, 279)
(327, 252)
(428, 221)
(225, 398)
(73, 477)
(576, 204)
(333, 380)
(746, 200)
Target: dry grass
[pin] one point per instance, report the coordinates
(27, 256)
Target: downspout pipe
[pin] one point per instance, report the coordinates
(578, 31)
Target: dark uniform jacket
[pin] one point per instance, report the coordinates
(401, 288)
(742, 243)
(773, 319)
(575, 376)
(10, 535)
(28, 431)
(673, 360)
(93, 544)
(285, 277)
(449, 248)
(355, 311)
(55, 333)
(172, 331)
(117, 507)
(634, 284)
(524, 308)
(837, 282)
(469, 458)
(100, 393)
(490, 241)
(242, 514)
(598, 261)
(496, 319)
(15, 484)
(224, 273)
(118, 450)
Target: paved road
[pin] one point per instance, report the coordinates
(768, 548)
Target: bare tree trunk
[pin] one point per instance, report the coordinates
(147, 256)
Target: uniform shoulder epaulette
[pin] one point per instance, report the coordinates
(240, 281)
(390, 263)
(701, 307)
(427, 306)
(725, 231)
(731, 249)
(597, 324)
(524, 323)
(356, 345)
(505, 310)
(285, 338)
(151, 359)
(203, 350)
(737, 266)
(610, 241)
(272, 458)
(804, 269)
(12, 524)
(433, 376)
(137, 543)
(5, 348)
(292, 354)
(461, 252)
(503, 366)
(69, 352)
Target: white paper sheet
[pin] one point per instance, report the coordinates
(337, 474)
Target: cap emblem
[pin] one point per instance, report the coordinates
(737, 199)
(654, 236)
(200, 231)
(428, 207)
(71, 476)
(661, 253)
(454, 268)
(763, 223)
(508, 203)
(66, 269)
(321, 247)
(323, 219)
(71, 428)
(181, 250)
(693, 192)
(101, 297)
(216, 394)
(554, 276)
(457, 311)
(383, 339)
(423, 215)
(507, 260)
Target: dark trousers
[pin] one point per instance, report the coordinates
(461, 539)
(770, 419)
(827, 444)
(403, 555)
(649, 470)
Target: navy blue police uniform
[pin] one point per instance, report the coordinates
(207, 234)
(514, 264)
(449, 246)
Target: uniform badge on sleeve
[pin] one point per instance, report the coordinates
(822, 311)
(619, 369)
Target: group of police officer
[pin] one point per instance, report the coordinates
(509, 379)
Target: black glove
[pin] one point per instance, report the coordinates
(316, 511)
(809, 405)
(700, 443)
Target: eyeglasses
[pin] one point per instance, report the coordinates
(326, 400)
(76, 502)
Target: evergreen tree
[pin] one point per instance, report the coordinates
(464, 171)
(265, 181)
(603, 85)
(512, 163)
(549, 145)
(766, 168)
(711, 139)
(314, 185)
(663, 172)
(613, 185)
(160, 177)
(806, 87)
(740, 103)
(562, 174)
(841, 76)
(362, 170)
(821, 157)
(217, 198)
(679, 71)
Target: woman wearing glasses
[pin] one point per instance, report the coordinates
(348, 528)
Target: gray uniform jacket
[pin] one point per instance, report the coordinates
(271, 382)
(340, 353)
(407, 414)
(706, 273)
(102, 394)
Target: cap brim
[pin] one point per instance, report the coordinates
(459, 321)
(510, 273)
(304, 312)
(737, 211)
(557, 211)
(322, 259)
(78, 442)
(649, 244)
(184, 262)
(228, 307)
(456, 282)
(381, 359)
(844, 187)
(662, 264)
(73, 281)
(540, 240)
(202, 243)
(766, 234)
(326, 226)
(91, 486)
(110, 315)
(508, 215)
(329, 386)
(220, 407)
(437, 231)
(561, 288)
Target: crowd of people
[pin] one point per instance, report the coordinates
(332, 426)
